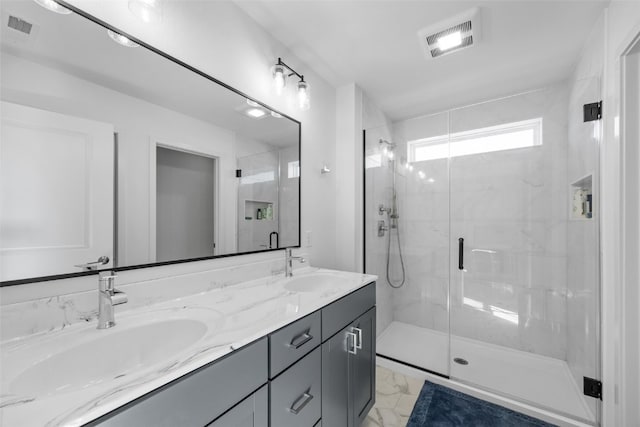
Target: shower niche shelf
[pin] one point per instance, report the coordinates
(251, 210)
(581, 193)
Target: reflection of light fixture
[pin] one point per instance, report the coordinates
(120, 39)
(276, 115)
(252, 103)
(421, 175)
(256, 113)
(149, 11)
(450, 41)
(53, 6)
(390, 155)
(280, 72)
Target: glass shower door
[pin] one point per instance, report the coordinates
(407, 240)
(512, 194)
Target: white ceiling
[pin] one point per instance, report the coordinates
(374, 43)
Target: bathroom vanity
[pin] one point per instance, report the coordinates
(277, 351)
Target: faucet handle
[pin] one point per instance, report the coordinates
(118, 297)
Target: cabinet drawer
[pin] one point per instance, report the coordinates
(294, 341)
(296, 395)
(199, 397)
(342, 312)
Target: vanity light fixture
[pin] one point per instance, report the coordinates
(53, 6)
(121, 40)
(148, 11)
(303, 95)
(279, 75)
(280, 72)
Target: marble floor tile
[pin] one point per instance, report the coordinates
(395, 396)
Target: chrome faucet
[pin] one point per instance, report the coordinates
(288, 263)
(108, 296)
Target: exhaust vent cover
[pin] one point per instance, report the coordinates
(19, 25)
(452, 35)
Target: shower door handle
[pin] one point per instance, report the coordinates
(460, 253)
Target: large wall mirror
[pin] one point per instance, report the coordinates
(119, 152)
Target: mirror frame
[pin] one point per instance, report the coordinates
(212, 79)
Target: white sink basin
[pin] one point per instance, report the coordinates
(312, 283)
(111, 354)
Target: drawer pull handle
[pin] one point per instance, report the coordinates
(300, 340)
(351, 343)
(358, 332)
(300, 403)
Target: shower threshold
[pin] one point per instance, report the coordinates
(532, 378)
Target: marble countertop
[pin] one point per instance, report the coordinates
(236, 315)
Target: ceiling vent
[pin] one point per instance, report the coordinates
(20, 25)
(452, 35)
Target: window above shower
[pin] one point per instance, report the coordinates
(508, 136)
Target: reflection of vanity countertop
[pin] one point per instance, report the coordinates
(222, 321)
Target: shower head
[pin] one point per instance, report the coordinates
(387, 148)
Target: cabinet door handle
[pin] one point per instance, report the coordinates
(460, 253)
(358, 332)
(300, 340)
(300, 403)
(351, 343)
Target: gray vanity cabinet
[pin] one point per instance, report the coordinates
(348, 366)
(318, 370)
(251, 412)
(363, 366)
(200, 397)
(296, 396)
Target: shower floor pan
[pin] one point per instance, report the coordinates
(536, 379)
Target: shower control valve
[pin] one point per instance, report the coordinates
(382, 228)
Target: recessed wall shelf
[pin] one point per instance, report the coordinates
(251, 208)
(581, 193)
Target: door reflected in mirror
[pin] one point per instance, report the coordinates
(123, 152)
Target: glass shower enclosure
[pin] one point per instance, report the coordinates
(482, 225)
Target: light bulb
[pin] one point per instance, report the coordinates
(303, 95)
(122, 40)
(410, 168)
(149, 11)
(450, 41)
(390, 155)
(421, 175)
(279, 78)
(256, 113)
(53, 6)
(385, 151)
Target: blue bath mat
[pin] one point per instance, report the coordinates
(441, 406)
